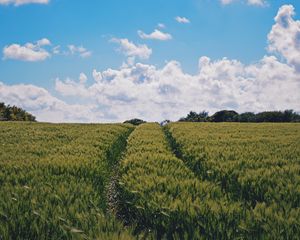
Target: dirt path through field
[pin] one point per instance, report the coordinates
(112, 193)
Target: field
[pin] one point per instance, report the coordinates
(255, 164)
(181, 181)
(53, 177)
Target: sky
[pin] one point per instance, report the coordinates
(113, 60)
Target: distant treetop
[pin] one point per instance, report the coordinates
(225, 116)
(13, 113)
(135, 121)
(195, 117)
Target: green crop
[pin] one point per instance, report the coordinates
(53, 178)
(183, 181)
(162, 195)
(258, 164)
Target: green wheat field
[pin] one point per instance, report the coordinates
(180, 181)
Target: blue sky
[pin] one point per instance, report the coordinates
(237, 30)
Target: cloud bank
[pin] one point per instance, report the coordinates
(151, 93)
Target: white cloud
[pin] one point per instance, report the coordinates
(249, 2)
(29, 52)
(225, 2)
(81, 51)
(151, 93)
(155, 94)
(97, 75)
(22, 2)
(156, 35)
(284, 37)
(82, 78)
(140, 90)
(40, 51)
(71, 88)
(257, 2)
(56, 50)
(43, 42)
(42, 104)
(161, 25)
(131, 50)
(182, 19)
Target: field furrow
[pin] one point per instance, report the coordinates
(160, 194)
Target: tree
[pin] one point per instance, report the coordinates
(225, 116)
(290, 116)
(135, 121)
(247, 117)
(14, 113)
(278, 116)
(195, 117)
(2, 109)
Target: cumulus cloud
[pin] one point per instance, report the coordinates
(155, 35)
(182, 19)
(28, 52)
(22, 2)
(129, 49)
(97, 75)
(42, 104)
(82, 78)
(43, 42)
(79, 50)
(284, 37)
(168, 92)
(155, 94)
(40, 51)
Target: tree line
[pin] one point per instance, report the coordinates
(14, 113)
(233, 116)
